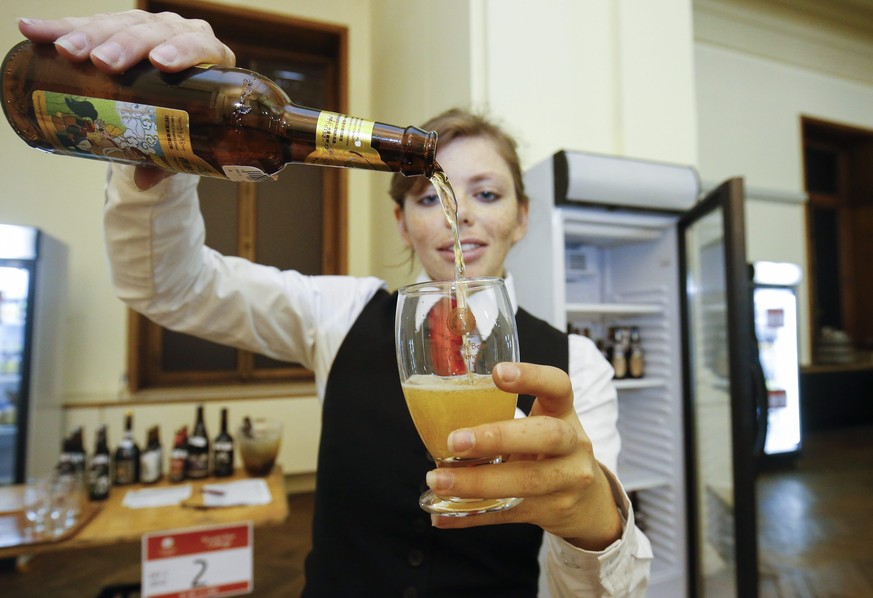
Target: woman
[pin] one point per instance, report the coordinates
(369, 536)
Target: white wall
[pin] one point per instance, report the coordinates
(610, 76)
(749, 125)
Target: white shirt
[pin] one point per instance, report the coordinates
(161, 268)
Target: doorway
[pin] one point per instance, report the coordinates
(839, 183)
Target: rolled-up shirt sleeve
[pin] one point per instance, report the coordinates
(161, 267)
(622, 569)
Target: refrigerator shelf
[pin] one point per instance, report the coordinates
(634, 477)
(638, 383)
(612, 309)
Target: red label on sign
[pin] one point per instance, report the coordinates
(222, 590)
(196, 542)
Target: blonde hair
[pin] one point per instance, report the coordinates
(455, 124)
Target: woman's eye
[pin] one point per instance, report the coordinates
(487, 196)
(428, 200)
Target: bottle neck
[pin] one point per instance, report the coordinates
(328, 138)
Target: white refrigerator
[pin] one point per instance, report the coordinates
(33, 286)
(616, 242)
(774, 295)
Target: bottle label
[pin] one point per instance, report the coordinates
(120, 131)
(342, 140)
(198, 466)
(151, 469)
(247, 174)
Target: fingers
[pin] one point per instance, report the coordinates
(117, 41)
(551, 386)
(520, 478)
(532, 435)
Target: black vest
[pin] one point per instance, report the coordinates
(370, 537)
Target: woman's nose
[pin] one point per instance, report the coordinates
(465, 210)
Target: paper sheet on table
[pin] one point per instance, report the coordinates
(242, 492)
(164, 496)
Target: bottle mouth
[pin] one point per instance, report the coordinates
(420, 149)
(430, 147)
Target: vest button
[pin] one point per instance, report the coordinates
(416, 557)
(410, 593)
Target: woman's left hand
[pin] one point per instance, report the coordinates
(551, 465)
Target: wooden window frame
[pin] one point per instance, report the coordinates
(854, 148)
(240, 29)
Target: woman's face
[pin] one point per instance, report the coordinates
(490, 219)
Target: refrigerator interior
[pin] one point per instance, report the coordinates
(14, 284)
(776, 331)
(33, 282)
(594, 269)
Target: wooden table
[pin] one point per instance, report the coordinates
(110, 522)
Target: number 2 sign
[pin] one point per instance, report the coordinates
(204, 561)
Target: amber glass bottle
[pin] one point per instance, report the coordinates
(211, 120)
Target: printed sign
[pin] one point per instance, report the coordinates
(205, 561)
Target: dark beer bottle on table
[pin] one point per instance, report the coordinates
(99, 472)
(209, 120)
(152, 459)
(222, 459)
(179, 456)
(127, 456)
(198, 449)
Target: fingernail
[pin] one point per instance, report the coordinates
(439, 480)
(461, 440)
(27, 21)
(74, 42)
(508, 372)
(165, 55)
(110, 53)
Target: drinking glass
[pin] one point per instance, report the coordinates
(37, 501)
(449, 335)
(259, 442)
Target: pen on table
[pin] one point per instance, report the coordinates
(213, 491)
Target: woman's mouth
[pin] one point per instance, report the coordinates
(470, 249)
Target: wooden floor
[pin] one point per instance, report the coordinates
(816, 536)
(816, 520)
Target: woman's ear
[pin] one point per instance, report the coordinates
(521, 229)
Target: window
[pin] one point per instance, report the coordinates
(294, 223)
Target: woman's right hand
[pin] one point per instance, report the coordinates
(116, 41)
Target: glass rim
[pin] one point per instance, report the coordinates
(440, 287)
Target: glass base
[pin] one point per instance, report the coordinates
(464, 507)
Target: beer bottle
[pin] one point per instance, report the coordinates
(618, 355)
(127, 455)
(222, 456)
(152, 458)
(99, 478)
(198, 449)
(636, 358)
(179, 455)
(215, 121)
